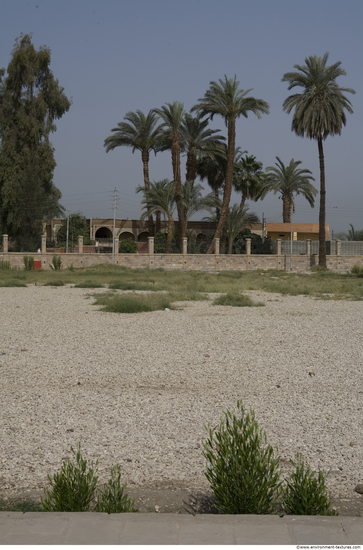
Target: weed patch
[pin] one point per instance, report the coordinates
(236, 300)
(132, 303)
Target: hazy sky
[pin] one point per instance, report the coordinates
(115, 56)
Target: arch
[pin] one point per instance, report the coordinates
(124, 235)
(143, 236)
(103, 233)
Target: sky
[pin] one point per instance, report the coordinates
(116, 56)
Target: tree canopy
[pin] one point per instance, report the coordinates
(31, 99)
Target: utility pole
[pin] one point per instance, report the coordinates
(114, 204)
(263, 227)
(67, 230)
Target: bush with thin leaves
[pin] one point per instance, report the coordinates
(306, 493)
(112, 498)
(28, 263)
(56, 263)
(242, 469)
(73, 488)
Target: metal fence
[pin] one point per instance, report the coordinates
(347, 248)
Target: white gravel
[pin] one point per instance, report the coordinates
(138, 389)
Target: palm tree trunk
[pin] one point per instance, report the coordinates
(157, 222)
(191, 166)
(145, 162)
(322, 250)
(228, 183)
(243, 201)
(286, 209)
(169, 237)
(175, 158)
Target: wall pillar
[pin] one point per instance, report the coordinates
(150, 241)
(117, 246)
(44, 244)
(5, 244)
(338, 247)
(185, 245)
(308, 247)
(216, 246)
(278, 247)
(80, 244)
(248, 247)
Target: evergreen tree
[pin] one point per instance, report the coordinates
(31, 99)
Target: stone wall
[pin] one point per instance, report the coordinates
(191, 262)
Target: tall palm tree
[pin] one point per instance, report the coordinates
(289, 181)
(227, 100)
(248, 177)
(237, 219)
(194, 202)
(172, 115)
(198, 140)
(141, 133)
(318, 113)
(160, 197)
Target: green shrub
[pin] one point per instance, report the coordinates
(28, 263)
(357, 270)
(12, 284)
(132, 303)
(305, 493)
(241, 469)
(56, 263)
(88, 284)
(73, 488)
(128, 246)
(236, 300)
(5, 266)
(20, 506)
(54, 283)
(112, 499)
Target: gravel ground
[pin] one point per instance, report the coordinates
(138, 389)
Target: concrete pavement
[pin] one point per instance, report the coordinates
(138, 528)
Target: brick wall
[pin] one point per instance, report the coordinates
(191, 262)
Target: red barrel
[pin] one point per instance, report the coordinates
(37, 264)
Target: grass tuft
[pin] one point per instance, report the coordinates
(132, 303)
(236, 300)
(54, 283)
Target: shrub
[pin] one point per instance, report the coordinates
(73, 488)
(5, 266)
(128, 246)
(357, 270)
(305, 493)
(54, 283)
(28, 263)
(242, 470)
(132, 303)
(236, 300)
(56, 263)
(112, 499)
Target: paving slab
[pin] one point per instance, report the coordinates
(256, 529)
(353, 528)
(316, 530)
(207, 529)
(91, 528)
(7, 519)
(150, 529)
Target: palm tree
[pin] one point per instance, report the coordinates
(141, 133)
(160, 197)
(194, 202)
(172, 115)
(227, 100)
(289, 181)
(237, 219)
(318, 113)
(197, 140)
(248, 177)
(355, 235)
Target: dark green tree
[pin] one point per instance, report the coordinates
(31, 99)
(228, 101)
(78, 226)
(140, 132)
(319, 112)
(172, 115)
(248, 177)
(288, 181)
